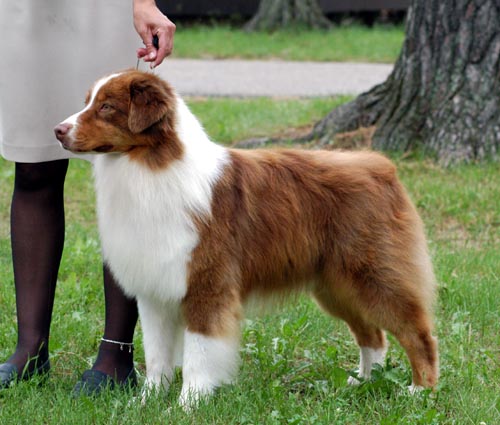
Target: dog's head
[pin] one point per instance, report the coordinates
(123, 111)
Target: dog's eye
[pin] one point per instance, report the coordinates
(105, 107)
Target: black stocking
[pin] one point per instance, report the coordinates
(37, 232)
(121, 318)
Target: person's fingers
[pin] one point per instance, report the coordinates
(151, 53)
(165, 36)
(165, 45)
(141, 52)
(148, 53)
(158, 42)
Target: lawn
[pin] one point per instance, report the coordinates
(355, 43)
(295, 361)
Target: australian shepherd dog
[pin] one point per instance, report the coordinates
(193, 229)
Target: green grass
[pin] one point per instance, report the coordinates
(342, 43)
(248, 120)
(295, 361)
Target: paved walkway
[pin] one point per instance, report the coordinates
(241, 78)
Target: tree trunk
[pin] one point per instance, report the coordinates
(274, 14)
(444, 91)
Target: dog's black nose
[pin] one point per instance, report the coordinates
(61, 130)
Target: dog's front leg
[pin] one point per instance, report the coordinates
(159, 323)
(208, 362)
(211, 311)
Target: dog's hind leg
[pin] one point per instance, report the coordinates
(421, 347)
(372, 348)
(401, 309)
(160, 327)
(370, 338)
(402, 305)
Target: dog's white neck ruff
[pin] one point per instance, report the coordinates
(146, 216)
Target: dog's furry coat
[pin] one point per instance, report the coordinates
(192, 229)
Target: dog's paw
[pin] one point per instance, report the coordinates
(353, 381)
(188, 400)
(145, 393)
(357, 378)
(152, 387)
(135, 401)
(415, 389)
(190, 397)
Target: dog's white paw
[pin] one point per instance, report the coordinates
(353, 381)
(145, 393)
(415, 389)
(134, 402)
(152, 387)
(190, 397)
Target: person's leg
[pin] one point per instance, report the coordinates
(121, 317)
(115, 360)
(37, 234)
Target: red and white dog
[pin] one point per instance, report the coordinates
(193, 229)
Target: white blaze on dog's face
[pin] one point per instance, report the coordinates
(71, 122)
(123, 111)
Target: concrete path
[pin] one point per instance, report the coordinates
(241, 78)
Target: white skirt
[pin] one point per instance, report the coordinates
(51, 51)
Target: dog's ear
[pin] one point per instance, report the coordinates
(148, 103)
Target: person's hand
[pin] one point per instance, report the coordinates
(150, 22)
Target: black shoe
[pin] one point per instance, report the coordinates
(93, 382)
(9, 373)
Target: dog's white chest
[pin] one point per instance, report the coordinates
(146, 227)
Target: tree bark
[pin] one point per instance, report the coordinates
(444, 91)
(274, 14)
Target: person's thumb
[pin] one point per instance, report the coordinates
(151, 55)
(147, 39)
